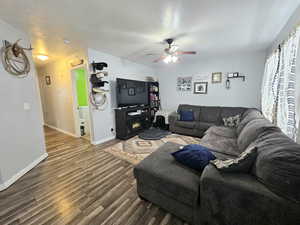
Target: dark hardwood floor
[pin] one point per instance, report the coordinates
(78, 184)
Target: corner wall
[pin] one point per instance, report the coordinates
(103, 121)
(22, 136)
(245, 94)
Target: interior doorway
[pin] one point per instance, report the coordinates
(81, 102)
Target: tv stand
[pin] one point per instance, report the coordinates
(130, 121)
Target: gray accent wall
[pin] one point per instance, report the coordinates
(246, 94)
(21, 131)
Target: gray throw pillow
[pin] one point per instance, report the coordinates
(232, 121)
(241, 164)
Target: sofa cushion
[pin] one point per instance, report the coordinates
(164, 174)
(247, 116)
(203, 125)
(222, 131)
(231, 111)
(194, 156)
(186, 115)
(194, 108)
(232, 121)
(278, 164)
(225, 146)
(241, 164)
(251, 131)
(210, 114)
(185, 124)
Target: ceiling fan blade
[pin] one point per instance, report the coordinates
(160, 59)
(186, 52)
(151, 54)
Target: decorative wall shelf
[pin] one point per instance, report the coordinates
(234, 76)
(241, 77)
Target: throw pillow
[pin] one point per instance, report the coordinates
(241, 164)
(186, 115)
(194, 156)
(232, 121)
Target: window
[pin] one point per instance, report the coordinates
(279, 86)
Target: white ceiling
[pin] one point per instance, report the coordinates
(133, 28)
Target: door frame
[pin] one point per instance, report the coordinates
(75, 102)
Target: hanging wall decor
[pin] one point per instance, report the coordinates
(48, 80)
(200, 87)
(98, 95)
(14, 59)
(216, 77)
(184, 83)
(235, 75)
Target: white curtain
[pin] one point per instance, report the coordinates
(269, 80)
(279, 86)
(286, 113)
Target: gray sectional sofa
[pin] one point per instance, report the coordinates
(268, 194)
(205, 117)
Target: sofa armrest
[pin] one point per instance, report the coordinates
(236, 198)
(173, 117)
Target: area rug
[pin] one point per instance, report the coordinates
(154, 134)
(135, 149)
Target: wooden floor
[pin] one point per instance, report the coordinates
(78, 184)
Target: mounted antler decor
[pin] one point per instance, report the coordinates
(14, 59)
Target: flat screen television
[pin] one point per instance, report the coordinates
(132, 92)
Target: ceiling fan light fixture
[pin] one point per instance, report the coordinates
(42, 57)
(174, 59)
(173, 48)
(168, 59)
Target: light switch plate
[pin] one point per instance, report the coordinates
(27, 106)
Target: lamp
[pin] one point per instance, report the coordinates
(174, 59)
(168, 59)
(42, 57)
(171, 58)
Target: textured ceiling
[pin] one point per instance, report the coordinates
(133, 29)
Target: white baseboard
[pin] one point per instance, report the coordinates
(15, 177)
(60, 130)
(103, 140)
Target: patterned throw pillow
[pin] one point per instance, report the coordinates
(232, 121)
(241, 164)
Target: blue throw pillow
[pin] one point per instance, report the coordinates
(186, 115)
(194, 156)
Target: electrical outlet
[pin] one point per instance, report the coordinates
(27, 106)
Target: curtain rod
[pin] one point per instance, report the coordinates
(293, 32)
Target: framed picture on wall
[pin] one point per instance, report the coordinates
(48, 80)
(200, 87)
(216, 77)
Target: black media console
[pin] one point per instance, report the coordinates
(132, 120)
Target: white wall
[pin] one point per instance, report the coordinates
(103, 121)
(57, 98)
(21, 137)
(246, 94)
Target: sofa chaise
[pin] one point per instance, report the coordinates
(268, 194)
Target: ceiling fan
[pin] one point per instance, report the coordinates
(171, 52)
